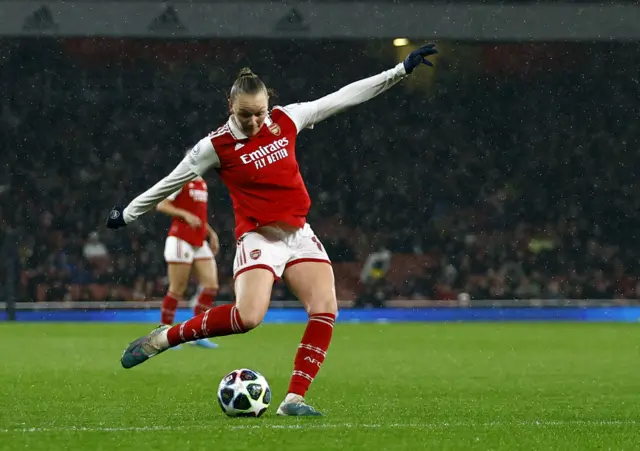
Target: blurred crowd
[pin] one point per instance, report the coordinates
(497, 184)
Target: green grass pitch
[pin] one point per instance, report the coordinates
(542, 386)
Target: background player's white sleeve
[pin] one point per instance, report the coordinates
(201, 158)
(307, 114)
(174, 195)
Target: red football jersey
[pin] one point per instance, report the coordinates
(262, 174)
(193, 197)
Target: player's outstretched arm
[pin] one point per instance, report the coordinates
(196, 163)
(309, 113)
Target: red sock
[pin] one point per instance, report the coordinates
(169, 307)
(311, 352)
(205, 301)
(216, 322)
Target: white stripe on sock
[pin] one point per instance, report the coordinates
(313, 348)
(205, 332)
(235, 327)
(330, 324)
(303, 374)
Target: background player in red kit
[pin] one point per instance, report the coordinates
(186, 248)
(254, 154)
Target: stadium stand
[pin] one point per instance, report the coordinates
(542, 203)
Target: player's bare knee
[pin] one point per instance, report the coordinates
(323, 305)
(250, 321)
(251, 318)
(210, 285)
(179, 289)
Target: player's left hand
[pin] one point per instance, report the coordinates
(214, 242)
(116, 218)
(419, 56)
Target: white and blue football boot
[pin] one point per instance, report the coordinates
(295, 406)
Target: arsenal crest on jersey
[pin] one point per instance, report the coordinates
(274, 128)
(255, 254)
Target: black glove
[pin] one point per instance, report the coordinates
(418, 57)
(116, 218)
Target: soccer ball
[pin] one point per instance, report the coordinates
(244, 393)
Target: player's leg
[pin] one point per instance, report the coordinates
(254, 282)
(310, 278)
(178, 274)
(206, 271)
(179, 256)
(253, 293)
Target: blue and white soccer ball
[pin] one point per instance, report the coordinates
(244, 393)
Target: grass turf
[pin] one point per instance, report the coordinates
(383, 387)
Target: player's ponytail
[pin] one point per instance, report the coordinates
(246, 83)
(246, 72)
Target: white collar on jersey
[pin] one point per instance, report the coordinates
(237, 133)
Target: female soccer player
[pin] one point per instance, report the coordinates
(254, 154)
(186, 248)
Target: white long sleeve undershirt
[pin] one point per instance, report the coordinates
(305, 115)
(159, 192)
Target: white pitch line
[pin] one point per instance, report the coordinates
(443, 425)
(102, 429)
(309, 425)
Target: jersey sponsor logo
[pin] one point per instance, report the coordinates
(268, 154)
(198, 195)
(255, 254)
(264, 151)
